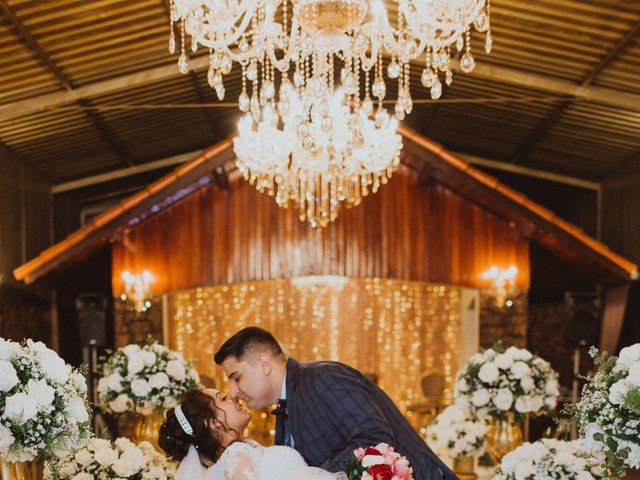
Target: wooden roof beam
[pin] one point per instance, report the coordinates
(605, 96)
(548, 123)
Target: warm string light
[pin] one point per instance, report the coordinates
(395, 329)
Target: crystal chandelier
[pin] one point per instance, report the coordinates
(317, 150)
(354, 36)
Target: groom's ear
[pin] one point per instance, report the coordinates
(266, 363)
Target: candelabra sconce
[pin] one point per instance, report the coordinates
(503, 285)
(136, 295)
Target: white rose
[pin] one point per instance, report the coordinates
(462, 385)
(589, 443)
(77, 410)
(66, 469)
(53, 366)
(633, 457)
(170, 402)
(371, 460)
(8, 376)
(618, 392)
(103, 386)
(480, 397)
(537, 402)
(503, 399)
(140, 387)
(524, 404)
(148, 358)
(520, 370)
(175, 369)
(20, 408)
(488, 372)
(524, 470)
(634, 374)
(551, 387)
(159, 380)
(130, 463)
(6, 439)
(476, 358)
(629, 355)
(584, 475)
(131, 349)
(527, 384)
(41, 392)
(194, 375)
(519, 353)
(120, 403)
(98, 443)
(503, 361)
(124, 443)
(8, 349)
(83, 457)
(82, 476)
(106, 456)
(80, 381)
(114, 382)
(551, 403)
(135, 365)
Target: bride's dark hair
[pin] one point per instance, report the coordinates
(200, 410)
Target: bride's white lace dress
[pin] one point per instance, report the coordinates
(249, 460)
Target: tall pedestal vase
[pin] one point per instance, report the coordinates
(503, 436)
(14, 471)
(463, 468)
(147, 427)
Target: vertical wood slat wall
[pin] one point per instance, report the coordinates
(404, 231)
(25, 214)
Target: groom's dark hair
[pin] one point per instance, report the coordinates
(247, 340)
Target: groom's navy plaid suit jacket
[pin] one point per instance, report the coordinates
(333, 409)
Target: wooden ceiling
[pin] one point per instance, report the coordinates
(88, 87)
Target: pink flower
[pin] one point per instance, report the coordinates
(402, 470)
(358, 453)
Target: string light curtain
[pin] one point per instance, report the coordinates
(392, 328)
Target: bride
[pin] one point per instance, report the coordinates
(205, 434)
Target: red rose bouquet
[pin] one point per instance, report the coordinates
(379, 463)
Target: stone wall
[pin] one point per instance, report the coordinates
(506, 324)
(136, 328)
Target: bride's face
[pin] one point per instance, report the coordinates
(230, 413)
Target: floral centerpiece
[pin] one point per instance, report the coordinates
(548, 459)
(379, 463)
(142, 379)
(43, 403)
(609, 411)
(119, 460)
(456, 432)
(499, 380)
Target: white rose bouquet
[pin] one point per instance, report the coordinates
(43, 403)
(143, 379)
(455, 431)
(548, 459)
(609, 412)
(119, 460)
(499, 380)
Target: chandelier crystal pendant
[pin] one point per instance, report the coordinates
(316, 150)
(268, 36)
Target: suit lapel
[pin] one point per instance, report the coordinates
(293, 411)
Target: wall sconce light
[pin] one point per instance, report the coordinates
(136, 295)
(503, 285)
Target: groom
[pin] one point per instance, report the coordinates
(325, 409)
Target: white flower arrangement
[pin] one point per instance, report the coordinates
(456, 432)
(104, 460)
(143, 379)
(499, 380)
(548, 459)
(43, 403)
(609, 411)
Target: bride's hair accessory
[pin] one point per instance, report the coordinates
(182, 420)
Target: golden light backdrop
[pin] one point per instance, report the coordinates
(395, 329)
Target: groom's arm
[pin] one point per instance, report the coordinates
(347, 403)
